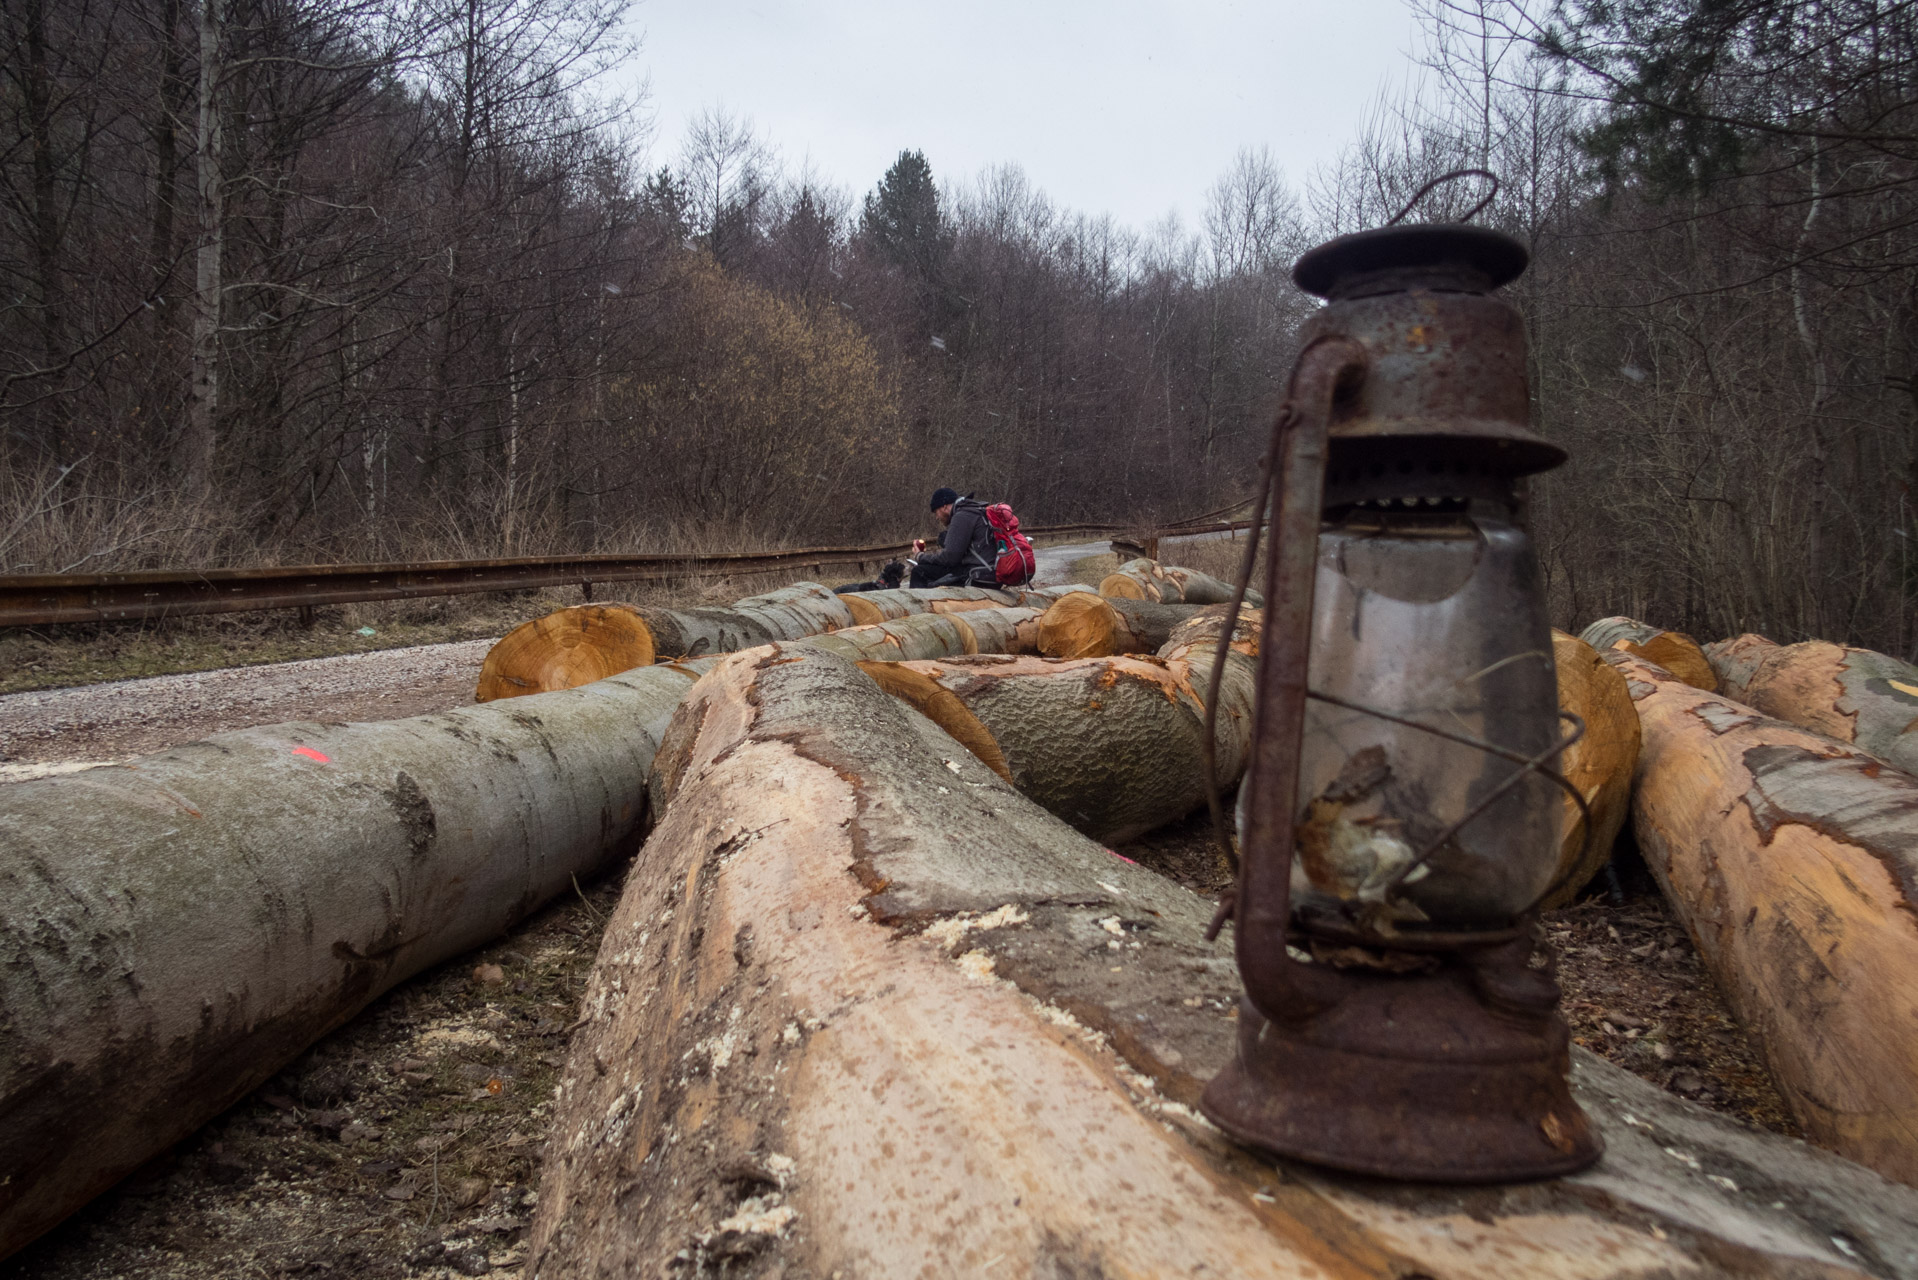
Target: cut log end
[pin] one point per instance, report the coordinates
(1600, 764)
(564, 650)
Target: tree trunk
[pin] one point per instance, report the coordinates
(1675, 651)
(173, 931)
(588, 642)
(867, 1011)
(198, 441)
(1736, 660)
(1113, 746)
(1600, 764)
(1791, 860)
(1166, 584)
(1084, 625)
(1858, 696)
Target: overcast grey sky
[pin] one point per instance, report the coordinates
(1127, 107)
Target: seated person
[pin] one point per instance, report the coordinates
(889, 577)
(965, 556)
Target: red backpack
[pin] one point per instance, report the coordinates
(1016, 563)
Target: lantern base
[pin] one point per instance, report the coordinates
(1456, 1075)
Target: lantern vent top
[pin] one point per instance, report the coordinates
(1444, 257)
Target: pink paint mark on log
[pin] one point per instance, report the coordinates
(311, 754)
(1120, 856)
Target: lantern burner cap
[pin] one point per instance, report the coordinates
(1444, 257)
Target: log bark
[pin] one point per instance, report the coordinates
(1113, 746)
(1600, 764)
(861, 1013)
(588, 642)
(868, 607)
(1860, 696)
(1168, 584)
(1675, 651)
(1793, 861)
(357, 855)
(174, 930)
(1736, 660)
(1084, 625)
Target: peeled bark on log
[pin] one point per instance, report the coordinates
(1793, 861)
(1860, 696)
(1600, 764)
(1675, 651)
(576, 646)
(1736, 660)
(1113, 746)
(1168, 584)
(866, 1010)
(1084, 625)
(174, 930)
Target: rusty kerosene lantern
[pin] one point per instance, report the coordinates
(1401, 818)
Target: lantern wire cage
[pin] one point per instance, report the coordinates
(1528, 765)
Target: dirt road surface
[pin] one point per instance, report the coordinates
(107, 722)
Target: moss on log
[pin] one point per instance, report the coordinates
(1600, 764)
(864, 1010)
(1793, 861)
(576, 646)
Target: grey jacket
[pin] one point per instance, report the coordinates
(967, 547)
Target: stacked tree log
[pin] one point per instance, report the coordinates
(584, 643)
(1600, 764)
(1675, 651)
(1168, 584)
(1085, 625)
(881, 606)
(1793, 861)
(1859, 696)
(576, 646)
(1112, 745)
(1734, 661)
(174, 930)
(869, 1011)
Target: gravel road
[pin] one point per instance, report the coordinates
(105, 722)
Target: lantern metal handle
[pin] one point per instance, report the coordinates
(1262, 904)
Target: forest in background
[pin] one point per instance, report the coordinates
(293, 280)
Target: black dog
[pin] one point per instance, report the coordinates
(889, 577)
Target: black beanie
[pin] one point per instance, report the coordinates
(940, 497)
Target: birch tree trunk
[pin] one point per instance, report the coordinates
(1794, 864)
(866, 1011)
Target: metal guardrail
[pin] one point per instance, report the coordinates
(42, 599)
